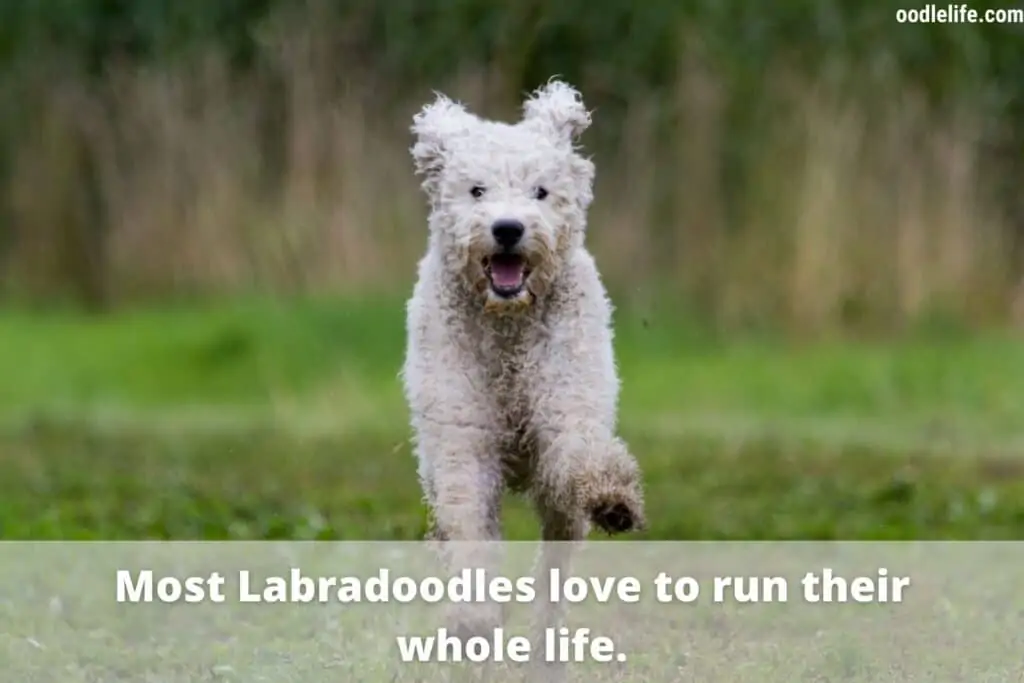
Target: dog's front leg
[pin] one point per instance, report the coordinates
(462, 482)
(585, 475)
(580, 479)
(582, 469)
(461, 477)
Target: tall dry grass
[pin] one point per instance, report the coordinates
(866, 208)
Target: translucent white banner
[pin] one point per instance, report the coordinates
(709, 612)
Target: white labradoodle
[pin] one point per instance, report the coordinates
(509, 373)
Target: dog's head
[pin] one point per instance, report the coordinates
(508, 201)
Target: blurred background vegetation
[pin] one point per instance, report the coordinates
(809, 214)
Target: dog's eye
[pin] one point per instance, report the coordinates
(477, 191)
(540, 193)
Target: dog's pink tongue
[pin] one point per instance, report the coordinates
(507, 272)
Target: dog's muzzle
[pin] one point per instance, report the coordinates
(506, 273)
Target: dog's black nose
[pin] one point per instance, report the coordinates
(507, 233)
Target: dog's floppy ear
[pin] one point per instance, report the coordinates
(433, 128)
(559, 108)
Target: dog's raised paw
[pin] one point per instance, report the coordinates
(614, 518)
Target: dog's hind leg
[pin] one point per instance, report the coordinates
(559, 535)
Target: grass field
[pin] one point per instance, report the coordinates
(285, 420)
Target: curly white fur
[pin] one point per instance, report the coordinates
(518, 390)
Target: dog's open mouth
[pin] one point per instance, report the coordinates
(507, 274)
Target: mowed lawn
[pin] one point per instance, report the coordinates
(285, 420)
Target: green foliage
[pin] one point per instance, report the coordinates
(628, 57)
(612, 47)
(95, 32)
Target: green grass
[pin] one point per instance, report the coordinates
(285, 420)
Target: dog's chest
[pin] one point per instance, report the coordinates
(510, 379)
(508, 374)
(510, 371)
